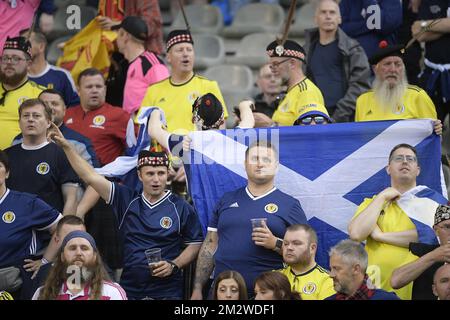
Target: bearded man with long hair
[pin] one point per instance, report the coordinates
(78, 273)
(391, 97)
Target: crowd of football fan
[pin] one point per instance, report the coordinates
(72, 228)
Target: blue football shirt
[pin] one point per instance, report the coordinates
(169, 224)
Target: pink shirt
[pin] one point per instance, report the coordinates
(142, 72)
(16, 19)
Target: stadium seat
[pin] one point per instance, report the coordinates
(234, 78)
(235, 82)
(61, 18)
(256, 17)
(252, 50)
(164, 4)
(304, 19)
(53, 52)
(202, 18)
(209, 50)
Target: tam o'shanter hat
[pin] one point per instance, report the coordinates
(386, 50)
(153, 159)
(290, 49)
(208, 110)
(178, 36)
(18, 43)
(442, 214)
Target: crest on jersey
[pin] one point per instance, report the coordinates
(43, 168)
(309, 288)
(165, 222)
(399, 109)
(285, 107)
(271, 208)
(8, 217)
(21, 100)
(99, 120)
(193, 96)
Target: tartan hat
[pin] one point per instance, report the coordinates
(442, 214)
(134, 26)
(209, 110)
(18, 43)
(178, 36)
(386, 50)
(153, 159)
(290, 49)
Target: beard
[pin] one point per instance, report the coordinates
(390, 97)
(13, 80)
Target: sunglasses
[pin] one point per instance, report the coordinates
(307, 120)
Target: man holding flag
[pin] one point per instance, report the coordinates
(400, 214)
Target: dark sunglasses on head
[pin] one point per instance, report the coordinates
(307, 120)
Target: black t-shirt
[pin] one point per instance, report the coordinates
(422, 287)
(328, 72)
(40, 171)
(265, 108)
(436, 51)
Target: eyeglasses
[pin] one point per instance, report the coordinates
(403, 158)
(275, 64)
(12, 60)
(307, 120)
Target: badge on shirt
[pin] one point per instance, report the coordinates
(165, 222)
(309, 288)
(99, 120)
(399, 109)
(284, 107)
(43, 168)
(8, 217)
(21, 99)
(271, 208)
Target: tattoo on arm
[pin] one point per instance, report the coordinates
(205, 261)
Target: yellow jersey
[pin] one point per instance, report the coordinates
(9, 110)
(176, 100)
(385, 258)
(416, 105)
(298, 97)
(315, 284)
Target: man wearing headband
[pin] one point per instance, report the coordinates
(432, 257)
(391, 97)
(176, 94)
(286, 61)
(78, 273)
(153, 219)
(14, 86)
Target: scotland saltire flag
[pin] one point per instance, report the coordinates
(124, 167)
(330, 169)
